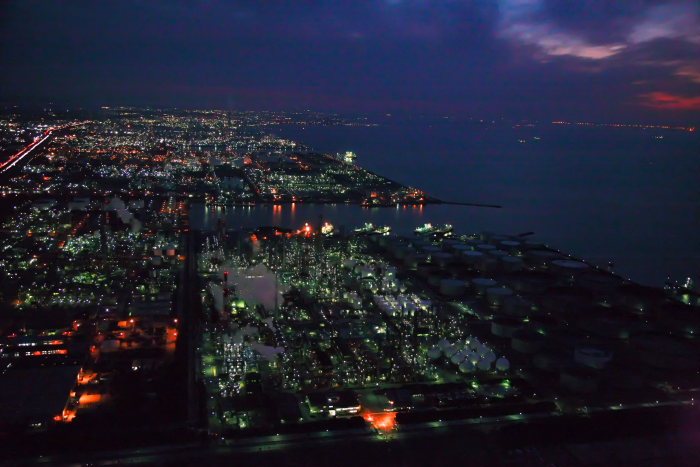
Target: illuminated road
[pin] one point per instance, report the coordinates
(30, 149)
(416, 437)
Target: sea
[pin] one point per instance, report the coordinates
(630, 196)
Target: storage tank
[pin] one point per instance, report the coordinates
(441, 258)
(533, 282)
(430, 249)
(480, 284)
(466, 366)
(459, 357)
(452, 287)
(568, 267)
(497, 253)
(592, 356)
(496, 296)
(475, 259)
(511, 246)
(543, 323)
(533, 245)
(526, 341)
(505, 327)
(502, 364)
(425, 270)
(567, 300)
(461, 249)
(437, 277)
(512, 263)
(516, 307)
(484, 365)
(435, 353)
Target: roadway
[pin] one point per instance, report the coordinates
(30, 149)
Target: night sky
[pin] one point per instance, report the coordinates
(551, 59)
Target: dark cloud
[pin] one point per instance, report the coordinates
(519, 58)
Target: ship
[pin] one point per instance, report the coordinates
(370, 229)
(429, 229)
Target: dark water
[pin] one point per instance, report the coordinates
(600, 193)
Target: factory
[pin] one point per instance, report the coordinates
(434, 326)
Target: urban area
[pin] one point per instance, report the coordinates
(125, 325)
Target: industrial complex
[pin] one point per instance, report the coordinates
(125, 326)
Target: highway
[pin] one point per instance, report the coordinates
(30, 149)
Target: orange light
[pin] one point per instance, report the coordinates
(62, 351)
(89, 399)
(381, 421)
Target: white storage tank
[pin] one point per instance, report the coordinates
(435, 353)
(450, 351)
(458, 357)
(484, 365)
(502, 364)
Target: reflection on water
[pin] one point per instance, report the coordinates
(555, 226)
(403, 219)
